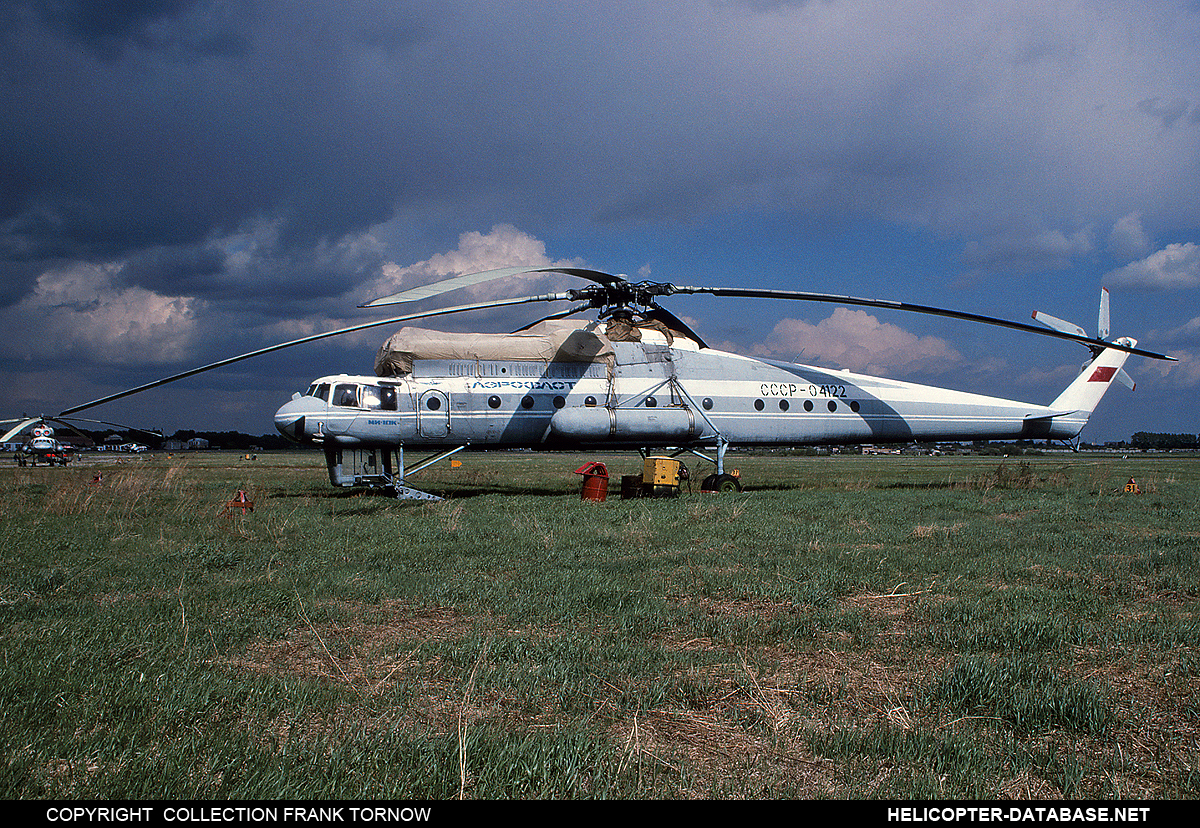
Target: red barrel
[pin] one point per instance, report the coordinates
(595, 481)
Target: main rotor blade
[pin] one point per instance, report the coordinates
(545, 297)
(755, 293)
(68, 425)
(123, 426)
(661, 314)
(469, 279)
(17, 429)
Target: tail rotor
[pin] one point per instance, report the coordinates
(1103, 330)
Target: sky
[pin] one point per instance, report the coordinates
(186, 180)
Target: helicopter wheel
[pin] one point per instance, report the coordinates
(723, 483)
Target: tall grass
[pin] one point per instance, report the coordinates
(882, 627)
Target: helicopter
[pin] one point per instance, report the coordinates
(637, 377)
(42, 445)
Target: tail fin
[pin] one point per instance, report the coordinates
(1074, 405)
(1082, 395)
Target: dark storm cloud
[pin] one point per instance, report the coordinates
(168, 125)
(149, 146)
(106, 27)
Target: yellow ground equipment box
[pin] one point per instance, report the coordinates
(661, 476)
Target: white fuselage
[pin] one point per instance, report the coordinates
(649, 394)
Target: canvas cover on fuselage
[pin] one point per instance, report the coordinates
(548, 341)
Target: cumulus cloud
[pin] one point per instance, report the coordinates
(1186, 334)
(502, 246)
(82, 314)
(1175, 267)
(1183, 375)
(856, 340)
(1018, 250)
(1127, 238)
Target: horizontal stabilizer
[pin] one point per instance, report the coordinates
(1029, 418)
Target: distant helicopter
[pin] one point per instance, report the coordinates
(42, 445)
(637, 377)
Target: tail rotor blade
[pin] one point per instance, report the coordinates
(1054, 323)
(1102, 329)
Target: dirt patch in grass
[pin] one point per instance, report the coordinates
(750, 717)
(359, 652)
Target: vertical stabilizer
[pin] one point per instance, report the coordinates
(1079, 400)
(1081, 396)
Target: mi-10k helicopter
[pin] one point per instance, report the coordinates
(637, 377)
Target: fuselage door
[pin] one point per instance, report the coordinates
(433, 413)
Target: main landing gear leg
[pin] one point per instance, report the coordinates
(721, 482)
(404, 492)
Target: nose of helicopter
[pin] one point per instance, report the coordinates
(289, 419)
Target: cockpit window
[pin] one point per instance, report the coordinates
(323, 392)
(345, 395)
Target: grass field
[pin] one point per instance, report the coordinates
(880, 627)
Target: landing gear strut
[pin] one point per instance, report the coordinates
(374, 469)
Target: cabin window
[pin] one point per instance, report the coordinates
(808, 405)
(434, 402)
(707, 403)
(651, 402)
(493, 401)
(832, 406)
(345, 395)
(759, 405)
(854, 407)
(783, 405)
(559, 402)
(379, 397)
(527, 401)
(590, 402)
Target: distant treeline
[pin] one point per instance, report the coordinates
(234, 439)
(216, 439)
(1151, 440)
